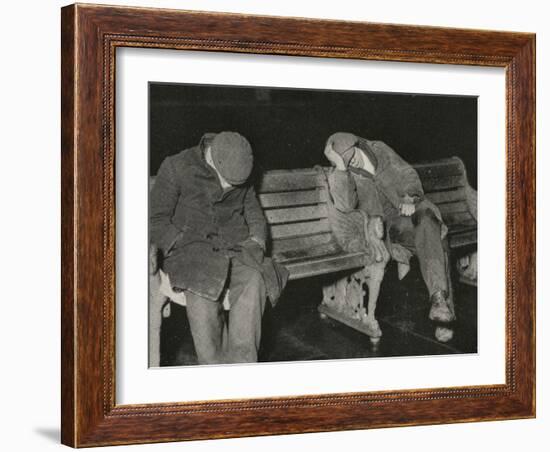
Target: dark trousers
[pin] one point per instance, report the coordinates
(238, 340)
(421, 234)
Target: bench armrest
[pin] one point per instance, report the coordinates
(374, 234)
(356, 231)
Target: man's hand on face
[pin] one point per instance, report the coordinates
(335, 158)
(407, 207)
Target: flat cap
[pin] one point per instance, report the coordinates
(232, 157)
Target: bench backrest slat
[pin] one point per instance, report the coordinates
(304, 241)
(277, 181)
(441, 168)
(459, 218)
(453, 207)
(279, 231)
(293, 198)
(437, 183)
(445, 174)
(294, 203)
(445, 196)
(296, 214)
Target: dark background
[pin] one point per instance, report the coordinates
(288, 127)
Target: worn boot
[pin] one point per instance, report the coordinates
(442, 309)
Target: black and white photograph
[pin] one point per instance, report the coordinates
(242, 226)
(306, 224)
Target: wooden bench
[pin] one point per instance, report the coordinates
(306, 237)
(303, 237)
(445, 183)
(301, 229)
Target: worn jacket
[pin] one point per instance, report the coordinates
(381, 193)
(200, 227)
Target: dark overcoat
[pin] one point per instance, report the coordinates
(198, 226)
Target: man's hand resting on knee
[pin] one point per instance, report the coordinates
(255, 248)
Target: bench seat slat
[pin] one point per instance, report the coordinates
(278, 231)
(287, 199)
(298, 243)
(296, 214)
(324, 265)
(325, 249)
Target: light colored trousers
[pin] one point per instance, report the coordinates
(421, 234)
(238, 340)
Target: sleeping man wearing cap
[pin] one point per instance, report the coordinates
(371, 176)
(207, 222)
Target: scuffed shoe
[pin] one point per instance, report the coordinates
(443, 334)
(442, 309)
(373, 328)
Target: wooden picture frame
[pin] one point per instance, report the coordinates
(90, 36)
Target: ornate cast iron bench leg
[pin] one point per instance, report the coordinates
(344, 300)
